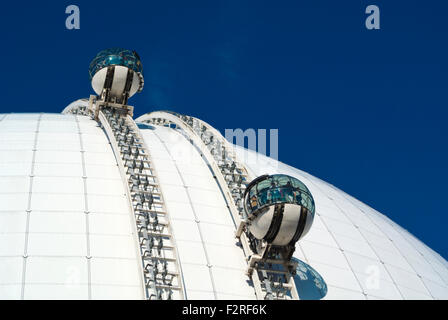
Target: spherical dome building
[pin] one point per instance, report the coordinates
(68, 230)
(97, 205)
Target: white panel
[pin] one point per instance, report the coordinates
(197, 169)
(218, 234)
(437, 290)
(105, 186)
(46, 156)
(11, 270)
(407, 279)
(324, 254)
(11, 222)
(102, 171)
(12, 244)
(49, 137)
(55, 292)
(363, 222)
(320, 236)
(56, 117)
(116, 292)
(106, 223)
(185, 230)
(96, 147)
(358, 247)
(17, 126)
(17, 136)
(206, 197)
(23, 116)
(408, 251)
(14, 201)
(409, 294)
(58, 146)
(112, 204)
(112, 246)
(318, 223)
(424, 269)
(175, 194)
(58, 127)
(61, 270)
(217, 215)
(374, 298)
(226, 257)
(15, 169)
(441, 270)
(58, 170)
(394, 259)
(55, 244)
(379, 241)
(163, 166)
(16, 156)
(345, 229)
(232, 281)
(179, 211)
(333, 276)
(57, 222)
(56, 185)
(200, 182)
(95, 138)
(57, 202)
(223, 296)
(6, 146)
(90, 127)
(106, 159)
(11, 292)
(378, 287)
(115, 272)
(368, 266)
(200, 295)
(192, 273)
(168, 177)
(191, 252)
(335, 293)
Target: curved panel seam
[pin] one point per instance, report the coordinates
(404, 257)
(28, 211)
(86, 211)
(368, 243)
(194, 213)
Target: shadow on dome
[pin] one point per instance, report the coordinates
(309, 283)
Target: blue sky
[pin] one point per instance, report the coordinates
(364, 110)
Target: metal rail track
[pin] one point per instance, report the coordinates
(272, 279)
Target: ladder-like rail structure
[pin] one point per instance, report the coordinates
(272, 278)
(160, 266)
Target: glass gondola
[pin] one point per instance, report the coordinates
(280, 208)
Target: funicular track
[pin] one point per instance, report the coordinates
(160, 266)
(272, 279)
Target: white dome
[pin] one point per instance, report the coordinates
(67, 228)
